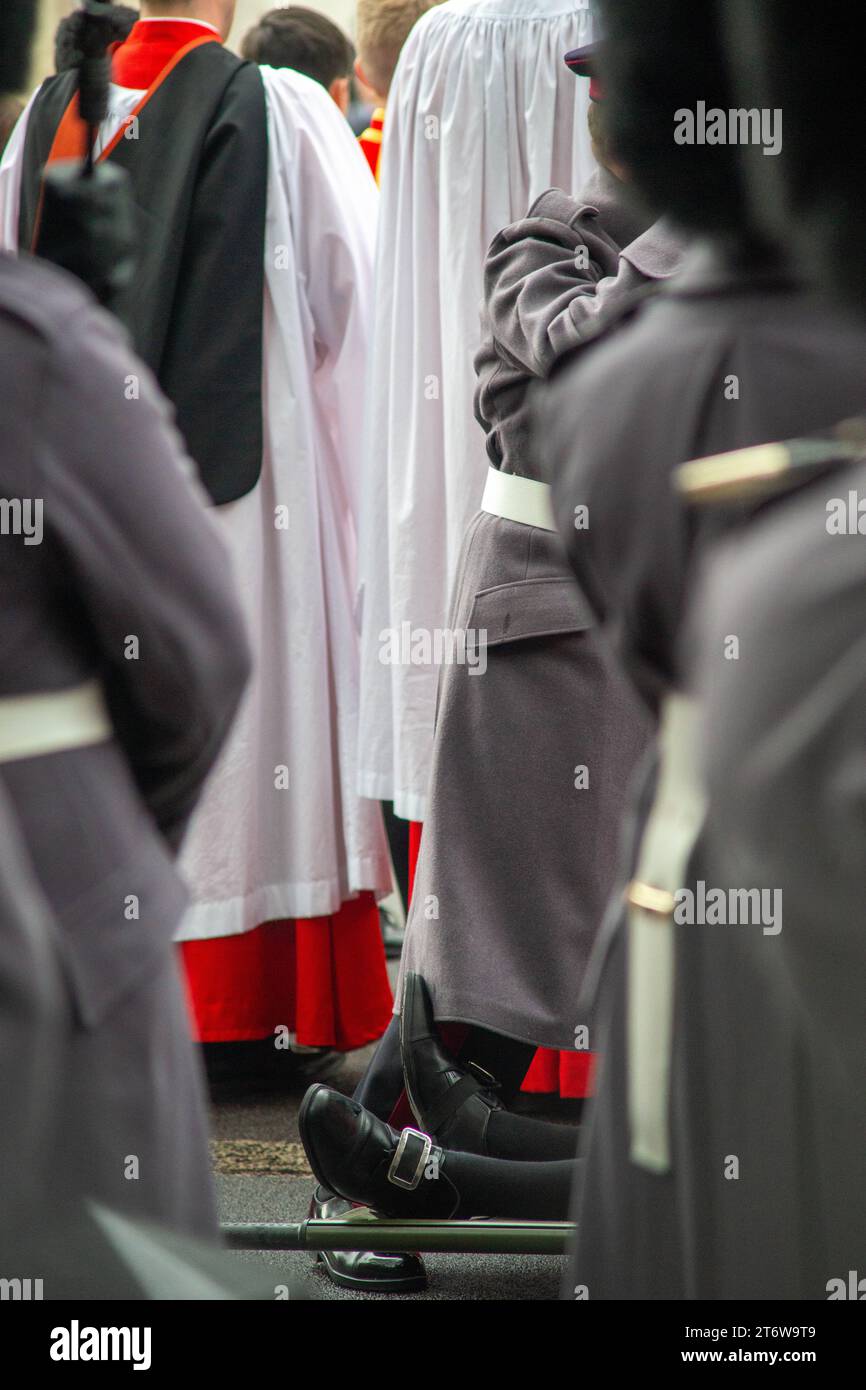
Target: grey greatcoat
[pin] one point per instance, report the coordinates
(784, 762)
(32, 1009)
(54, 1242)
(531, 758)
(649, 396)
(128, 583)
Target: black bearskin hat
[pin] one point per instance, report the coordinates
(657, 59)
(812, 193)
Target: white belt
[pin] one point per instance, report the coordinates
(52, 721)
(671, 830)
(518, 499)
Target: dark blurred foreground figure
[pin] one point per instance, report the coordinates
(57, 1242)
(32, 1017)
(782, 740)
(824, 219)
(704, 1095)
(115, 695)
(295, 37)
(783, 726)
(122, 659)
(67, 38)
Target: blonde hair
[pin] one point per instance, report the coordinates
(382, 29)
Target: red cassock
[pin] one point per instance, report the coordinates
(324, 978)
(566, 1074)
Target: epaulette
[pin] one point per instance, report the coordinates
(764, 470)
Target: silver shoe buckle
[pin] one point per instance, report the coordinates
(410, 1183)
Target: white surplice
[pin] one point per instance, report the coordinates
(482, 117)
(259, 849)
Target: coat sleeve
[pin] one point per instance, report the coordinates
(540, 280)
(139, 551)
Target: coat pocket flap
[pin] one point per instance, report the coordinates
(529, 608)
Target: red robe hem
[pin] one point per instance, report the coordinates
(322, 978)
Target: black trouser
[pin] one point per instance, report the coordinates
(397, 830)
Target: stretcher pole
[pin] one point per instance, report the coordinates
(367, 1232)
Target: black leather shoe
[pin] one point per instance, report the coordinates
(365, 1270)
(451, 1102)
(358, 1156)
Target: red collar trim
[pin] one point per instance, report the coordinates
(151, 44)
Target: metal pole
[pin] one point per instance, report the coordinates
(374, 1233)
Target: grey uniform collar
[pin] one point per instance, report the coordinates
(622, 218)
(659, 252)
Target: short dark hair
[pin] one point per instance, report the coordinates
(67, 42)
(17, 22)
(295, 37)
